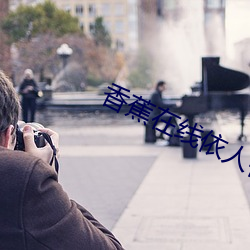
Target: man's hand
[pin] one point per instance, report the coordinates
(45, 153)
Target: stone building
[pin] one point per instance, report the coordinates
(120, 18)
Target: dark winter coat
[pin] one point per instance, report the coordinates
(32, 93)
(156, 99)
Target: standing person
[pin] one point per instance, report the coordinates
(29, 91)
(157, 100)
(35, 212)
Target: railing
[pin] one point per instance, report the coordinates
(89, 102)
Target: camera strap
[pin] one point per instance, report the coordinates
(48, 139)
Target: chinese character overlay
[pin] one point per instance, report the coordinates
(181, 127)
(236, 154)
(114, 100)
(216, 142)
(140, 108)
(168, 122)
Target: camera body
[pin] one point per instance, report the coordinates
(38, 137)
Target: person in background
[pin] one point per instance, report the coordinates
(35, 212)
(29, 92)
(156, 99)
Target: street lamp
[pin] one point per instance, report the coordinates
(64, 51)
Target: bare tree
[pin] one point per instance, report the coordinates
(97, 62)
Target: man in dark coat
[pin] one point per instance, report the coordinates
(35, 212)
(157, 100)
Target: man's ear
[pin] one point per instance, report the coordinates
(7, 140)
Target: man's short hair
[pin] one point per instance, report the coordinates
(9, 104)
(159, 84)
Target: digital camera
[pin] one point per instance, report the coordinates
(38, 137)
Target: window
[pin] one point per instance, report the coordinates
(119, 9)
(119, 26)
(215, 4)
(107, 25)
(169, 4)
(106, 9)
(91, 27)
(132, 26)
(67, 8)
(119, 44)
(92, 10)
(79, 10)
(82, 26)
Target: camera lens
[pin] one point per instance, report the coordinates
(38, 137)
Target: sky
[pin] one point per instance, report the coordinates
(237, 22)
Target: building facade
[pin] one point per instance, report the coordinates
(120, 17)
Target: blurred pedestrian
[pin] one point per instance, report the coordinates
(29, 91)
(157, 100)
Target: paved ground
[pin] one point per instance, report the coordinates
(103, 184)
(149, 195)
(92, 169)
